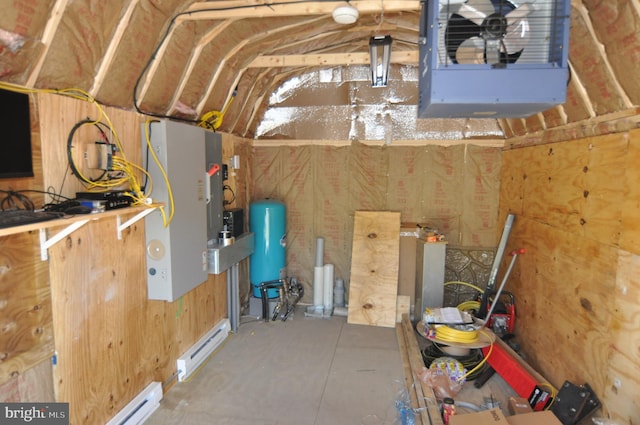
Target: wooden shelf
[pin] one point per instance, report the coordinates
(72, 223)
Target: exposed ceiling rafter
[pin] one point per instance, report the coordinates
(213, 10)
(330, 59)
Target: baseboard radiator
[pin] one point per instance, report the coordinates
(141, 407)
(201, 350)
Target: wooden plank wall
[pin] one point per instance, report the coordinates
(577, 288)
(109, 339)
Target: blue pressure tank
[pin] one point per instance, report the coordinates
(268, 222)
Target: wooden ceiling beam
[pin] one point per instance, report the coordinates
(193, 61)
(231, 53)
(47, 38)
(211, 10)
(110, 53)
(409, 57)
(603, 56)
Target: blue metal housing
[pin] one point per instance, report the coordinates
(481, 90)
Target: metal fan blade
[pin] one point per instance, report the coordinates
(492, 51)
(520, 12)
(458, 30)
(471, 13)
(471, 51)
(518, 31)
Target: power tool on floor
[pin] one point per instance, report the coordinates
(503, 318)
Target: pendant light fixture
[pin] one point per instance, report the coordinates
(380, 57)
(345, 14)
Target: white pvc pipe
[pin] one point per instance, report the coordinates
(319, 252)
(328, 288)
(318, 283)
(340, 311)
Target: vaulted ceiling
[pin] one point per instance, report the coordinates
(230, 59)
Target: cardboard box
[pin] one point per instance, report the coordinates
(545, 417)
(486, 417)
(519, 405)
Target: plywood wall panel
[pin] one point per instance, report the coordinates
(101, 315)
(25, 306)
(374, 268)
(623, 381)
(32, 385)
(575, 289)
(512, 182)
(563, 287)
(604, 190)
(575, 185)
(630, 234)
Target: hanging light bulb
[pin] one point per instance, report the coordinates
(380, 57)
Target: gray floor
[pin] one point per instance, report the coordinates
(306, 370)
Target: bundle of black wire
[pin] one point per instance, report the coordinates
(432, 352)
(15, 200)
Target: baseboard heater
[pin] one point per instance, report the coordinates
(141, 407)
(201, 350)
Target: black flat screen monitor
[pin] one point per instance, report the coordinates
(15, 135)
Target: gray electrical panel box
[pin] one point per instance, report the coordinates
(215, 208)
(177, 253)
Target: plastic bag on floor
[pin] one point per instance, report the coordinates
(442, 383)
(406, 414)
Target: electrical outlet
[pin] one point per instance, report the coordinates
(234, 162)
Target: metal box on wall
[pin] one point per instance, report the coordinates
(430, 261)
(213, 148)
(176, 254)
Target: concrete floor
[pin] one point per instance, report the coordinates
(306, 370)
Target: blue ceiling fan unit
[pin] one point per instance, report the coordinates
(492, 58)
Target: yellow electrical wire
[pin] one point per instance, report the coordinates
(484, 359)
(213, 119)
(449, 334)
(552, 392)
(165, 220)
(120, 163)
(469, 305)
(470, 285)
